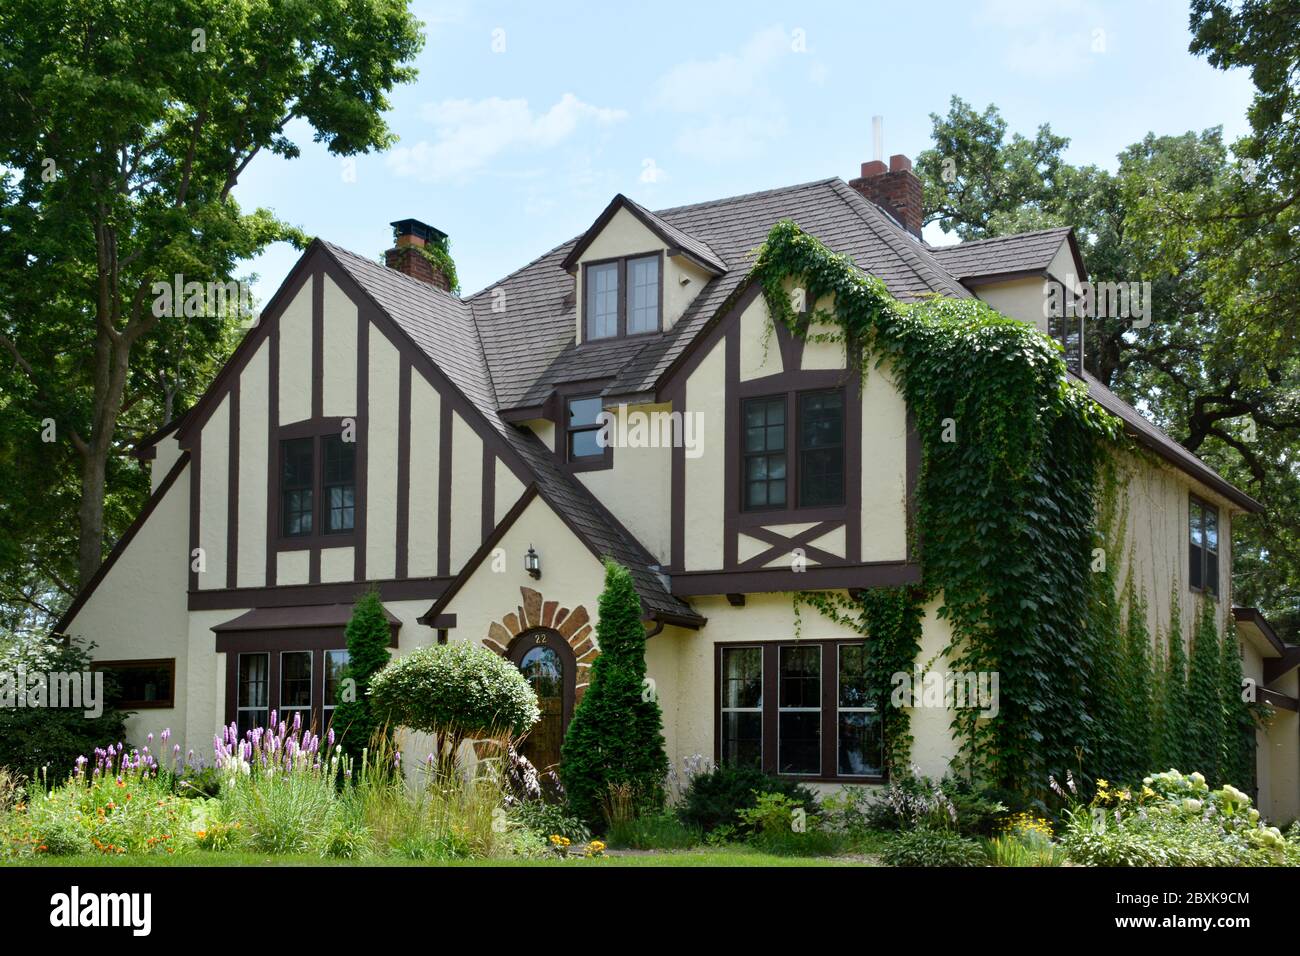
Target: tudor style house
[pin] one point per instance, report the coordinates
(374, 430)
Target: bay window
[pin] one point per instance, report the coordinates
(801, 708)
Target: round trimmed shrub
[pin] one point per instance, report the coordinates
(458, 691)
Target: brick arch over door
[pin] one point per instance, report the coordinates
(572, 625)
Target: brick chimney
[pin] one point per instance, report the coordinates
(895, 189)
(410, 237)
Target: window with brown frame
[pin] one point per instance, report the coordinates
(622, 297)
(141, 684)
(818, 436)
(582, 427)
(1203, 532)
(318, 483)
(800, 709)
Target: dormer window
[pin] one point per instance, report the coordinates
(622, 296)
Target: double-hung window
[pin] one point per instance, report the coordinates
(254, 691)
(1203, 531)
(582, 432)
(318, 485)
(295, 687)
(801, 708)
(622, 297)
(817, 437)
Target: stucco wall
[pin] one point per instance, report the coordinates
(139, 610)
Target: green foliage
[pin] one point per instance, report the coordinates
(458, 691)
(1204, 695)
(616, 735)
(124, 129)
(32, 738)
(1237, 738)
(1174, 713)
(1176, 820)
(368, 635)
(717, 798)
(550, 819)
(1002, 510)
(653, 831)
(439, 254)
(925, 846)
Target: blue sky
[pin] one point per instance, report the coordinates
(526, 119)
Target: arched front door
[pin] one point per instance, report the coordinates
(544, 657)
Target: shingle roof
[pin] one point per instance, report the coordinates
(1023, 252)
(530, 343)
(579, 509)
(1153, 438)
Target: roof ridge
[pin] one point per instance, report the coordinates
(967, 243)
(743, 196)
(856, 202)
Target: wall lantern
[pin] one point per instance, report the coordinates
(533, 563)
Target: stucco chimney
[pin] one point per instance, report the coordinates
(895, 189)
(410, 237)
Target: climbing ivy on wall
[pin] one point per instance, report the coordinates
(1020, 524)
(1010, 450)
(439, 253)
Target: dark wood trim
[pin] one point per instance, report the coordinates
(146, 449)
(272, 456)
(443, 623)
(435, 613)
(128, 536)
(817, 578)
(444, 487)
(976, 280)
(732, 478)
(196, 474)
(782, 545)
(487, 510)
(736, 600)
(1277, 699)
(343, 592)
(318, 344)
(709, 336)
(149, 662)
(401, 562)
(677, 481)
(362, 423)
(232, 502)
(288, 639)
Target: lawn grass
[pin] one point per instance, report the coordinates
(707, 856)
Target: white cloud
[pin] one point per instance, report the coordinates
(731, 103)
(470, 133)
(694, 87)
(1046, 38)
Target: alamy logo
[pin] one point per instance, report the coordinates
(1129, 301)
(75, 909)
(625, 429)
(82, 691)
(947, 691)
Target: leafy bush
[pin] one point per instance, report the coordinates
(550, 819)
(616, 735)
(715, 798)
(458, 691)
(1174, 820)
(780, 824)
(928, 846)
(913, 800)
(36, 738)
(653, 831)
(198, 782)
(368, 636)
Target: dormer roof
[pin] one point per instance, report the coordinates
(677, 241)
